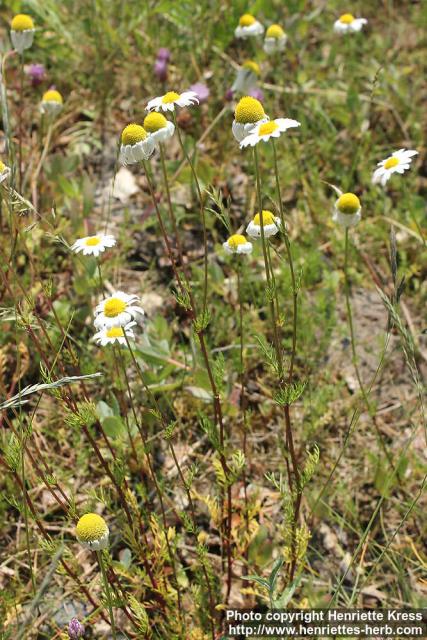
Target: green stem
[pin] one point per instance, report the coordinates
(202, 214)
(270, 292)
(107, 593)
(174, 223)
(291, 267)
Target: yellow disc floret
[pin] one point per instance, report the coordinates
(252, 66)
(347, 18)
(246, 20)
(267, 218)
(391, 162)
(133, 133)
(234, 241)
(169, 97)
(91, 527)
(154, 122)
(348, 203)
(115, 332)
(52, 96)
(92, 241)
(114, 307)
(2, 166)
(249, 110)
(22, 22)
(267, 128)
(275, 31)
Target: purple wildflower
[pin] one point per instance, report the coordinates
(36, 73)
(161, 69)
(201, 90)
(163, 54)
(256, 93)
(75, 629)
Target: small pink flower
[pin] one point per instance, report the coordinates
(36, 73)
(256, 93)
(75, 629)
(201, 90)
(161, 69)
(163, 54)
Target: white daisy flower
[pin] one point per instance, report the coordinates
(347, 210)
(247, 77)
(248, 27)
(347, 23)
(398, 162)
(249, 112)
(275, 39)
(92, 532)
(22, 32)
(158, 127)
(93, 245)
(4, 172)
(52, 103)
(115, 335)
(171, 99)
(136, 144)
(270, 222)
(237, 244)
(266, 130)
(117, 310)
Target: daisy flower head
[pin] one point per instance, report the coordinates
(248, 27)
(136, 144)
(158, 127)
(171, 100)
(268, 220)
(93, 245)
(22, 32)
(92, 532)
(237, 244)
(4, 172)
(248, 112)
(115, 335)
(266, 130)
(52, 103)
(117, 310)
(275, 39)
(347, 210)
(247, 77)
(398, 162)
(347, 23)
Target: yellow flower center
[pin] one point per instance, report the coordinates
(246, 20)
(275, 31)
(115, 332)
(348, 203)
(169, 97)
(113, 307)
(234, 241)
(92, 242)
(249, 110)
(22, 22)
(346, 18)
(52, 96)
(267, 218)
(133, 133)
(391, 162)
(267, 128)
(91, 527)
(2, 166)
(252, 66)
(154, 121)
